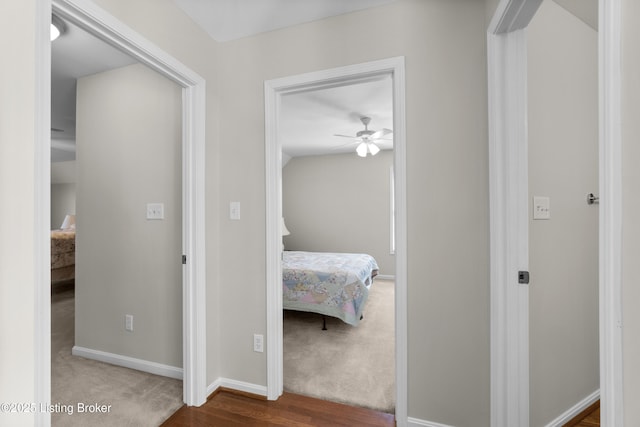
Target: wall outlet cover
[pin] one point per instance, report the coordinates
(258, 343)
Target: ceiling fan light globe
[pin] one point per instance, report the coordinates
(374, 149)
(57, 28)
(55, 32)
(362, 149)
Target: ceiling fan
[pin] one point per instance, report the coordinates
(367, 138)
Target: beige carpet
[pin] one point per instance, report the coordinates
(136, 398)
(346, 364)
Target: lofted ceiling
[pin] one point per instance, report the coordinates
(585, 10)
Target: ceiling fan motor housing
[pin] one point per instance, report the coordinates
(366, 132)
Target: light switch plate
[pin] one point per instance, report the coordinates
(155, 210)
(541, 208)
(234, 210)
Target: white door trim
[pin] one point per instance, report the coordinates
(104, 26)
(274, 89)
(507, 50)
(508, 232)
(42, 216)
(610, 233)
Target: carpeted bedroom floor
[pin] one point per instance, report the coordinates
(345, 364)
(136, 398)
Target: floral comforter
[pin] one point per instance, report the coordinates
(63, 255)
(334, 284)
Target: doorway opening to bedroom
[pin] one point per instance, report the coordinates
(116, 148)
(338, 320)
(336, 195)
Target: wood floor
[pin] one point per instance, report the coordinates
(227, 408)
(230, 408)
(590, 417)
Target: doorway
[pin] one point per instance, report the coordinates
(104, 26)
(337, 209)
(128, 274)
(510, 209)
(274, 90)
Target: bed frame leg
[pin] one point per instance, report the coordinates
(324, 322)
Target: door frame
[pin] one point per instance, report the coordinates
(107, 28)
(507, 80)
(273, 90)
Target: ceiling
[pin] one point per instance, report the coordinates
(226, 20)
(310, 118)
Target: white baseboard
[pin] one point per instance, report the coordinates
(259, 390)
(415, 422)
(558, 422)
(575, 410)
(129, 362)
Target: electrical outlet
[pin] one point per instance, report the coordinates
(258, 341)
(128, 322)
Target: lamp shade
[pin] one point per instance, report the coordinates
(285, 232)
(69, 222)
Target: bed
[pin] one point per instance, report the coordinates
(63, 256)
(331, 284)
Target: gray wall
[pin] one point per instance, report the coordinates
(630, 91)
(339, 203)
(563, 165)
(129, 154)
(194, 48)
(17, 198)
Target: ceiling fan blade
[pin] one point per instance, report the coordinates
(381, 133)
(344, 136)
